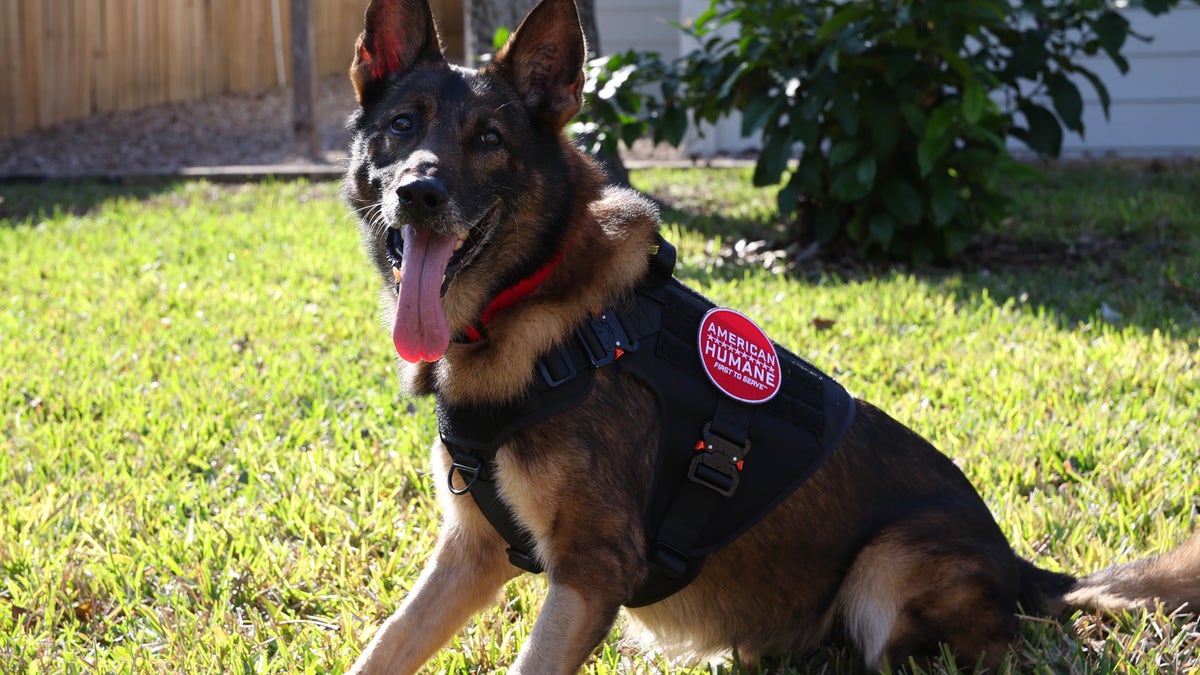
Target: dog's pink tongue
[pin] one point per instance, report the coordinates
(420, 332)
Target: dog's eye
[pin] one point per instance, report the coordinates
(490, 138)
(401, 124)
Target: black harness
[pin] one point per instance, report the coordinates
(722, 464)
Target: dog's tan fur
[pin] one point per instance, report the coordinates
(887, 546)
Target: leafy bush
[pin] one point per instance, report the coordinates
(901, 109)
(621, 109)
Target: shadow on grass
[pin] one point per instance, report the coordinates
(25, 201)
(1112, 243)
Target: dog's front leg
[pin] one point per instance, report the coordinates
(468, 569)
(569, 627)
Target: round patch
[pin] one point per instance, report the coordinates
(738, 357)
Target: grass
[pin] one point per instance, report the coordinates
(206, 466)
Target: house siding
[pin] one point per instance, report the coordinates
(1155, 107)
(639, 24)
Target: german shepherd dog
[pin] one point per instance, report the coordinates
(467, 188)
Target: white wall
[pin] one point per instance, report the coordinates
(1155, 109)
(638, 24)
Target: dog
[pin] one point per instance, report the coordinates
(497, 240)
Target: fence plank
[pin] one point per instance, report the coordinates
(67, 59)
(15, 114)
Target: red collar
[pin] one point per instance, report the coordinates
(511, 296)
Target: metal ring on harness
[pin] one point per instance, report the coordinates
(469, 473)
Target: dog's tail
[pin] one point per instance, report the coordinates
(1170, 581)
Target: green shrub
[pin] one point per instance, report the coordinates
(900, 110)
(620, 107)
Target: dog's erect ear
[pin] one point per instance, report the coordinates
(543, 60)
(396, 35)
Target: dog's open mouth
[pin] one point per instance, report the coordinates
(425, 263)
(466, 244)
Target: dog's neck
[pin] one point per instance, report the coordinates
(604, 259)
(511, 296)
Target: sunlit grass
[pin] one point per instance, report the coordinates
(206, 466)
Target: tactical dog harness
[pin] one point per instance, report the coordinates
(724, 460)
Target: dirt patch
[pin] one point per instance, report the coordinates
(230, 130)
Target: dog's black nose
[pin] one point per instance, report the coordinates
(422, 196)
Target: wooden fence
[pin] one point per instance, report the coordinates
(65, 59)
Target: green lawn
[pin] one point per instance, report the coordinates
(206, 466)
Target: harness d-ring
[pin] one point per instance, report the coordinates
(469, 473)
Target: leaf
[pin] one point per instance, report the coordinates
(841, 18)
(882, 228)
(936, 140)
(772, 161)
(843, 151)
(1101, 90)
(811, 171)
(943, 201)
(500, 37)
(973, 100)
(1067, 101)
(866, 171)
(1044, 135)
(1111, 29)
(788, 197)
(941, 121)
(902, 200)
(1029, 55)
(1020, 172)
(630, 133)
(757, 111)
(844, 110)
(673, 126)
(957, 63)
(885, 130)
(846, 187)
(732, 80)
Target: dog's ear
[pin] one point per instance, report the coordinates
(543, 61)
(397, 34)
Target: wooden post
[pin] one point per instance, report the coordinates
(304, 81)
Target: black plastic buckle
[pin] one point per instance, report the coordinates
(716, 465)
(467, 466)
(557, 366)
(601, 337)
(668, 561)
(524, 561)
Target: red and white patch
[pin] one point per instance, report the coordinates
(738, 357)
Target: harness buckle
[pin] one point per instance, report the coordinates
(557, 366)
(602, 337)
(524, 561)
(468, 467)
(719, 462)
(667, 560)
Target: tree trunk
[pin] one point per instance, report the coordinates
(484, 17)
(304, 82)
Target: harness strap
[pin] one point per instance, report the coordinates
(478, 481)
(692, 513)
(472, 437)
(712, 477)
